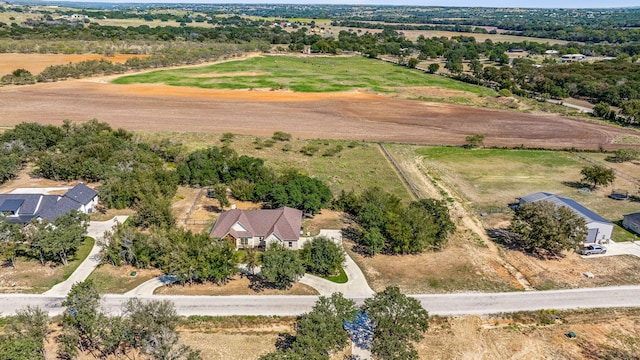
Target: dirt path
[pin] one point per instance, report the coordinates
(417, 173)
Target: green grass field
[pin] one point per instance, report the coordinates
(302, 74)
(493, 178)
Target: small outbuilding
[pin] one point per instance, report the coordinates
(632, 222)
(599, 229)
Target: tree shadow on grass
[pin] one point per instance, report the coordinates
(258, 284)
(510, 241)
(575, 184)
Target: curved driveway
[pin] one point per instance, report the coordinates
(95, 230)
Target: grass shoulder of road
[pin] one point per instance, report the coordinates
(302, 74)
(30, 276)
(111, 279)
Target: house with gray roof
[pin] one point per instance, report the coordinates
(632, 222)
(22, 207)
(599, 229)
(259, 228)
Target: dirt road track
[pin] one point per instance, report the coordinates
(354, 116)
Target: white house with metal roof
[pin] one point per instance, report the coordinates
(22, 207)
(599, 228)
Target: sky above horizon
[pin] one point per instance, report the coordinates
(565, 4)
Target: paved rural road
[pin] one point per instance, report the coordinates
(95, 230)
(283, 305)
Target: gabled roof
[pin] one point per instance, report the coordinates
(81, 193)
(588, 215)
(44, 206)
(283, 222)
(63, 206)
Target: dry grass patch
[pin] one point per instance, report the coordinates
(326, 219)
(237, 286)
(466, 264)
(30, 276)
(568, 272)
(534, 336)
(111, 279)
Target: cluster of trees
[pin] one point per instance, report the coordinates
(18, 77)
(389, 226)
(132, 173)
(249, 179)
(145, 328)
(46, 241)
(281, 267)
(545, 229)
(185, 256)
(398, 322)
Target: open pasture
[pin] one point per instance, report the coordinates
(302, 74)
(496, 177)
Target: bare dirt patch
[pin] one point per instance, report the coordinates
(35, 63)
(351, 115)
(237, 286)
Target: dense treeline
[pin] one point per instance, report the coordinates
(389, 226)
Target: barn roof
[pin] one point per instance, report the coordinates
(588, 215)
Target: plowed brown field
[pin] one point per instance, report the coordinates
(351, 115)
(35, 63)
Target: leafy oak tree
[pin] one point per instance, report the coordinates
(598, 175)
(544, 228)
(280, 266)
(399, 321)
(322, 256)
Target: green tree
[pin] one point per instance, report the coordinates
(544, 228)
(242, 189)
(81, 321)
(631, 109)
(373, 240)
(474, 141)
(602, 110)
(433, 68)
(321, 330)
(624, 155)
(25, 336)
(399, 321)
(322, 256)
(598, 175)
(281, 267)
(11, 240)
(412, 63)
(220, 194)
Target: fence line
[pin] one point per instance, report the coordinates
(405, 179)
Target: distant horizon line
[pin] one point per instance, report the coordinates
(301, 2)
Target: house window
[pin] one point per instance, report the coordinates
(244, 241)
(290, 243)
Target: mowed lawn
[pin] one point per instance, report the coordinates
(494, 178)
(302, 74)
